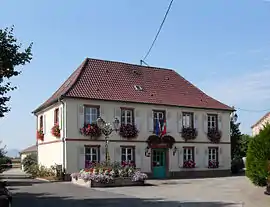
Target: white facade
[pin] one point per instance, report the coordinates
(69, 149)
(256, 128)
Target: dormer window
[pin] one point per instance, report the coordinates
(138, 88)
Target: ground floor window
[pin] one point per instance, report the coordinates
(91, 155)
(127, 155)
(188, 157)
(213, 157)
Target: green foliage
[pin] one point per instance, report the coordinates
(29, 161)
(41, 171)
(237, 165)
(10, 57)
(235, 137)
(258, 154)
(244, 141)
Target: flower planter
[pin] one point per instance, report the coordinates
(117, 182)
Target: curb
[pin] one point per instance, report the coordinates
(42, 179)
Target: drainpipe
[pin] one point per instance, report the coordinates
(64, 132)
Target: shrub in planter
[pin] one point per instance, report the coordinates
(40, 134)
(258, 154)
(28, 161)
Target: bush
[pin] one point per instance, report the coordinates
(29, 161)
(237, 165)
(258, 154)
(41, 171)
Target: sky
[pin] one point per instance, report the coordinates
(221, 46)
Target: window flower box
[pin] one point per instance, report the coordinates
(56, 131)
(189, 133)
(189, 164)
(91, 130)
(214, 135)
(40, 134)
(213, 164)
(128, 131)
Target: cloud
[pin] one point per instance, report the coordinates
(254, 51)
(252, 88)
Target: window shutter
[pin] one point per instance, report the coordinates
(81, 158)
(102, 155)
(102, 113)
(138, 123)
(80, 116)
(180, 157)
(219, 122)
(137, 155)
(180, 121)
(206, 152)
(117, 114)
(117, 154)
(194, 156)
(44, 124)
(38, 124)
(150, 124)
(205, 123)
(60, 117)
(169, 121)
(195, 121)
(219, 157)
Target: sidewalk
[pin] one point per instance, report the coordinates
(14, 173)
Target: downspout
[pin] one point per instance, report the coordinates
(64, 132)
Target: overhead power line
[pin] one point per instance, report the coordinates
(250, 110)
(160, 27)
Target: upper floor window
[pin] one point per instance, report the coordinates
(56, 116)
(41, 122)
(212, 121)
(127, 116)
(188, 120)
(91, 113)
(158, 117)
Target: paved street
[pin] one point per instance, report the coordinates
(218, 192)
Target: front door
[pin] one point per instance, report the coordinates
(159, 163)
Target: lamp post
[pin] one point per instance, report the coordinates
(106, 129)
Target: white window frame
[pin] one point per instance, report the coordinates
(188, 152)
(212, 152)
(91, 154)
(187, 119)
(89, 113)
(125, 111)
(212, 119)
(126, 154)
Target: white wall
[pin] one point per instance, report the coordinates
(143, 120)
(50, 154)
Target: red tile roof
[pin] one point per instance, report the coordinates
(115, 81)
(29, 149)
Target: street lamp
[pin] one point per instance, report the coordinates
(106, 129)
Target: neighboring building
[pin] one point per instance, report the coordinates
(28, 151)
(139, 96)
(260, 124)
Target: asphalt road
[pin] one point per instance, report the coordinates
(33, 193)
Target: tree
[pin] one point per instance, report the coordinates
(244, 141)
(235, 137)
(258, 154)
(11, 56)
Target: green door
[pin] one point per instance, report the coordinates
(159, 163)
